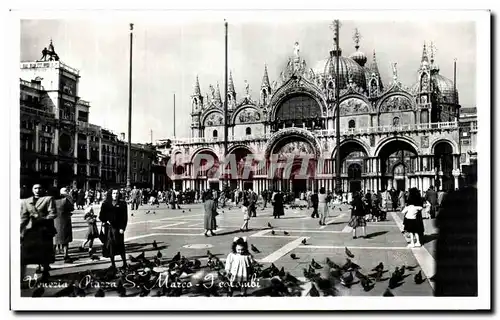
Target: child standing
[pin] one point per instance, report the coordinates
(239, 265)
(92, 231)
(246, 216)
(412, 225)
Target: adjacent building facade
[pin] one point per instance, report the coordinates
(59, 147)
(391, 135)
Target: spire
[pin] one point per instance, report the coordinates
(356, 38)
(217, 94)
(231, 83)
(374, 66)
(265, 79)
(425, 57)
(197, 91)
(434, 66)
(336, 49)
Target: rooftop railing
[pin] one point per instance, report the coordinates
(48, 64)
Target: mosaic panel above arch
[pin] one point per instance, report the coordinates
(396, 103)
(247, 115)
(294, 149)
(353, 106)
(214, 119)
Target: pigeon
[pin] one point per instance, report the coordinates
(313, 292)
(377, 275)
(315, 265)
(346, 279)
(367, 284)
(361, 276)
(254, 248)
(269, 225)
(197, 264)
(332, 264)
(147, 212)
(293, 256)
(348, 253)
(99, 293)
(155, 245)
(380, 266)
(94, 257)
(222, 211)
(183, 211)
(418, 278)
(272, 232)
(340, 209)
(393, 281)
(189, 210)
(38, 292)
(209, 254)
(156, 261)
(177, 257)
(285, 233)
(349, 265)
(402, 271)
(388, 293)
(282, 273)
(141, 256)
(304, 241)
(132, 259)
(159, 255)
(132, 214)
(154, 212)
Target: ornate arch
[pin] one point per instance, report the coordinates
(296, 86)
(393, 102)
(387, 140)
(349, 107)
(208, 113)
(253, 117)
(363, 145)
(201, 149)
(453, 144)
(238, 146)
(292, 133)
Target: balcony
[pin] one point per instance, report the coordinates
(33, 85)
(34, 111)
(86, 125)
(330, 132)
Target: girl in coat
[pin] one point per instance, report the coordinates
(239, 265)
(92, 232)
(413, 219)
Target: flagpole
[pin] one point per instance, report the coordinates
(225, 103)
(338, 179)
(130, 108)
(174, 115)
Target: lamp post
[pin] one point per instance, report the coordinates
(129, 107)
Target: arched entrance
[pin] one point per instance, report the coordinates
(297, 175)
(207, 173)
(354, 177)
(352, 157)
(398, 164)
(298, 110)
(443, 162)
(244, 172)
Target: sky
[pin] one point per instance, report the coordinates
(167, 57)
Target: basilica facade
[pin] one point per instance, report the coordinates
(391, 135)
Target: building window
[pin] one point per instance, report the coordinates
(248, 131)
(215, 134)
(352, 124)
(135, 165)
(395, 121)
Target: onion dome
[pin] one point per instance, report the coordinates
(358, 56)
(445, 89)
(347, 67)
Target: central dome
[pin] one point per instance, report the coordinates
(347, 67)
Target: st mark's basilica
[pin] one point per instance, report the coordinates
(392, 135)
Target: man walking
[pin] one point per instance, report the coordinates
(134, 196)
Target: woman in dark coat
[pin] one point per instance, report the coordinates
(80, 200)
(278, 209)
(62, 223)
(358, 215)
(114, 216)
(210, 214)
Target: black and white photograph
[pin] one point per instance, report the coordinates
(211, 158)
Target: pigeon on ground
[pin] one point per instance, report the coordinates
(304, 241)
(159, 255)
(315, 265)
(272, 232)
(377, 275)
(340, 209)
(189, 210)
(147, 212)
(254, 248)
(293, 256)
(155, 245)
(313, 292)
(418, 277)
(154, 212)
(388, 293)
(393, 281)
(380, 266)
(209, 254)
(132, 259)
(99, 293)
(282, 273)
(348, 253)
(183, 211)
(132, 214)
(346, 279)
(285, 233)
(332, 264)
(177, 257)
(367, 284)
(269, 225)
